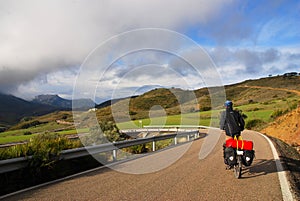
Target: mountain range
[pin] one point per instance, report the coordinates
(13, 109)
(56, 101)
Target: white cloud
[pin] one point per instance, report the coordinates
(238, 64)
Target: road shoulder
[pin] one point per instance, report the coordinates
(291, 164)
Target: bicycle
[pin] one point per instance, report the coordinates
(237, 168)
(239, 153)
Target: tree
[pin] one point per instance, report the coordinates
(105, 132)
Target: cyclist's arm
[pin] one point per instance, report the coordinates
(222, 121)
(241, 122)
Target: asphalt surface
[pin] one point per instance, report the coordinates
(188, 178)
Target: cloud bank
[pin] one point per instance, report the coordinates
(43, 43)
(38, 38)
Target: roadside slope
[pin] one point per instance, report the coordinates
(286, 128)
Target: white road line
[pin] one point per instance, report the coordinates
(284, 184)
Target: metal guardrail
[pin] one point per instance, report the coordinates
(22, 162)
(165, 128)
(13, 164)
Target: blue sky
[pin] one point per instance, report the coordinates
(251, 23)
(43, 44)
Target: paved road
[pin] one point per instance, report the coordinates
(187, 179)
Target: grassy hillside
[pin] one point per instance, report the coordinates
(271, 92)
(263, 90)
(29, 126)
(257, 99)
(275, 82)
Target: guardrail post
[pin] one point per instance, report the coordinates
(153, 145)
(175, 140)
(188, 138)
(114, 155)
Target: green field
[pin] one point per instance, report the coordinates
(18, 135)
(184, 119)
(262, 111)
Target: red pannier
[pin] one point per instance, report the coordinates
(242, 144)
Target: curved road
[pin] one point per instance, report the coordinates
(187, 179)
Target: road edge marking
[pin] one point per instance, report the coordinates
(284, 184)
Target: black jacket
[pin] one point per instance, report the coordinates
(232, 122)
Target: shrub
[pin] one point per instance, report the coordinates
(251, 101)
(44, 149)
(30, 124)
(256, 109)
(254, 124)
(26, 119)
(132, 113)
(278, 113)
(205, 108)
(13, 151)
(163, 144)
(27, 133)
(2, 129)
(293, 106)
(104, 133)
(65, 116)
(137, 149)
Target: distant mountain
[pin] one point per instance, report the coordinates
(58, 102)
(83, 103)
(12, 109)
(53, 100)
(111, 102)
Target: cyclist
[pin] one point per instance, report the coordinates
(232, 122)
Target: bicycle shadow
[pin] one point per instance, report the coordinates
(260, 167)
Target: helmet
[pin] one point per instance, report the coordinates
(228, 103)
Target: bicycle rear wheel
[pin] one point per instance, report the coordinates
(237, 169)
